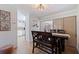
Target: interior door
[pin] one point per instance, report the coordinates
(70, 28)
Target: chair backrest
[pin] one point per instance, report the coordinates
(61, 31)
(42, 36)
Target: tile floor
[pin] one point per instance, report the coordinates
(25, 47)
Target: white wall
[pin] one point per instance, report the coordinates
(27, 27)
(78, 28)
(34, 21)
(9, 37)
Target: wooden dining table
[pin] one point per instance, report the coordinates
(60, 41)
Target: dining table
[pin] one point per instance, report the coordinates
(60, 40)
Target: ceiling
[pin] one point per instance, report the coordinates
(51, 8)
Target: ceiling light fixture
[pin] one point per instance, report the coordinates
(40, 7)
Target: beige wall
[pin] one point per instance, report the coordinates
(69, 25)
(78, 28)
(70, 28)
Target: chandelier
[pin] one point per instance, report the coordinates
(40, 7)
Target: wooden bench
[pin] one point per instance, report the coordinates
(43, 41)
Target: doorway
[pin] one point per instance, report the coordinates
(21, 29)
(21, 33)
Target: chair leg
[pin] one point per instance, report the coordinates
(55, 50)
(52, 51)
(33, 48)
(59, 47)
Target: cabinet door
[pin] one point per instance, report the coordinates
(70, 28)
(58, 23)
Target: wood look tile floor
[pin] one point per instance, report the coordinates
(25, 47)
(70, 50)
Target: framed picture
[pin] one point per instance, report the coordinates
(5, 21)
